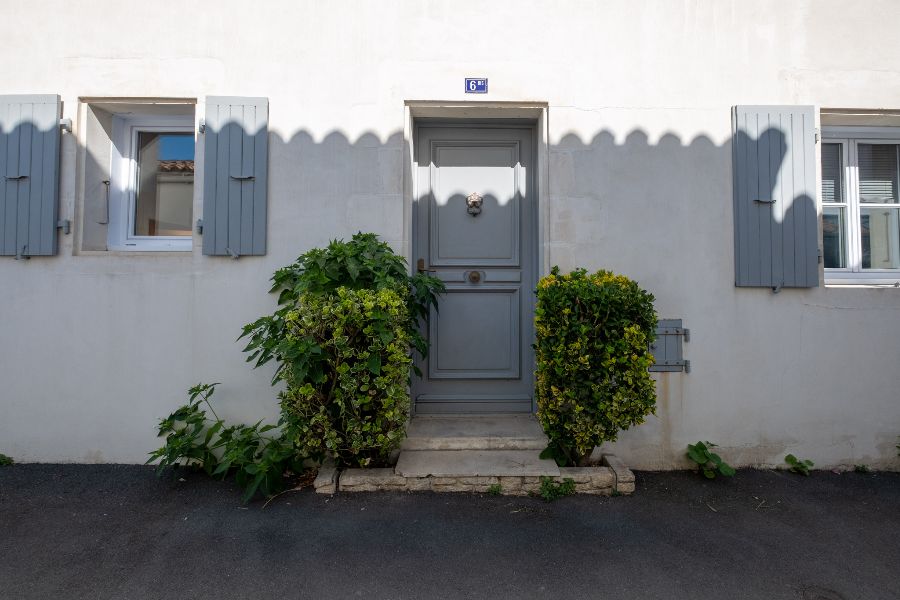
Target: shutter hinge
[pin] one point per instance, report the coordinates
(817, 135)
(65, 225)
(20, 255)
(200, 226)
(201, 127)
(819, 254)
(66, 125)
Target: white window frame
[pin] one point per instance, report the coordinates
(850, 138)
(123, 183)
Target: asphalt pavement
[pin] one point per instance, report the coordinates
(119, 532)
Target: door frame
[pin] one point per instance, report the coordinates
(486, 114)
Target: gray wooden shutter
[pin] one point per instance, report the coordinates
(235, 178)
(667, 350)
(775, 222)
(29, 174)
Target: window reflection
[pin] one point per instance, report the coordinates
(165, 184)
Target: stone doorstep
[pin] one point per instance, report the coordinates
(588, 480)
(487, 432)
(474, 463)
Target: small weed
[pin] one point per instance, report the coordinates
(799, 466)
(615, 493)
(5, 460)
(551, 490)
(495, 490)
(862, 469)
(708, 461)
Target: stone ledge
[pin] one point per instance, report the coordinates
(624, 475)
(371, 480)
(326, 479)
(614, 478)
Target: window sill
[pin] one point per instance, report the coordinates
(863, 283)
(136, 252)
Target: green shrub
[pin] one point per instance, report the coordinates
(363, 263)
(708, 461)
(257, 461)
(798, 466)
(349, 397)
(6, 461)
(551, 490)
(347, 317)
(593, 334)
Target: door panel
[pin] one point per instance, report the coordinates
(460, 349)
(481, 359)
(492, 237)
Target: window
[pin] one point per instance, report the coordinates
(152, 182)
(861, 205)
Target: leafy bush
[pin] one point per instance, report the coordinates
(708, 461)
(346, 320)
(363, 263)
(6, 461)
(551, 490)
(258, 462)
(347, 393)
(797, 465)
(593, 335)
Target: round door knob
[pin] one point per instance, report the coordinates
(474, 276)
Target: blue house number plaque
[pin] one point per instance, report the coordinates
(476, 86)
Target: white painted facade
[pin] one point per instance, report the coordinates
(635, 103)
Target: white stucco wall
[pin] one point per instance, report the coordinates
(96, 347)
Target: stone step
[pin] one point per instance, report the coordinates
(483, 432)
(474, 463)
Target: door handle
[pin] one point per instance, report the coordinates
(420, 267)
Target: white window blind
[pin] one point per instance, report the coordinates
(878, 171)
(832, 170)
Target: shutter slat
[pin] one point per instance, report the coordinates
(235, 164)
(29, 174)
(220, 224)
(4, 154)
(261, 184)
(775, 223)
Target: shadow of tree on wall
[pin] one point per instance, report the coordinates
(654, 210)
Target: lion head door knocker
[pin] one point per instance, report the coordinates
(473, 204)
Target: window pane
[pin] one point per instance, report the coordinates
(165, 184)
(880, 229)
(878, 173)
(832, 173)
(834, 232)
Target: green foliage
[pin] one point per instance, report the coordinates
(495, 489)
(799, 466)
(5, 460)
(708, 461)
(593, 334)
(862, 469)
(257, 461)
(552, 490)
(363, 263)
(349, 398)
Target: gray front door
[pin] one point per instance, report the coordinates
(475, 228)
